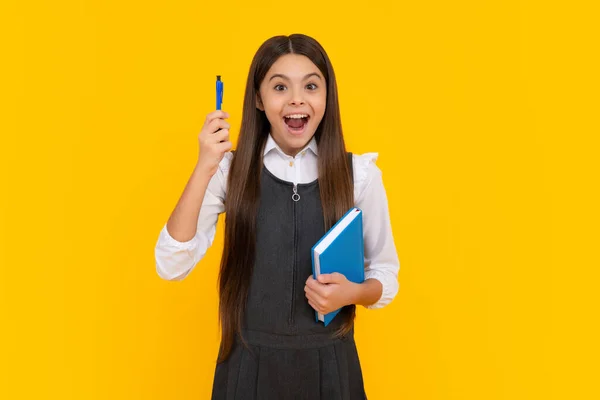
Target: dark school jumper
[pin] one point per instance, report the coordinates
(291, 356)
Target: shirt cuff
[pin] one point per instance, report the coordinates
(166, 240)
(390, 287)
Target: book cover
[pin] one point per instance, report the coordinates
(341, 250)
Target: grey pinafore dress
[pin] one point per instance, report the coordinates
(290, 355)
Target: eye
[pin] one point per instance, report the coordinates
(277, 86)
(312, 85)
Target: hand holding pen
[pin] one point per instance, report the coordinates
(214, 137)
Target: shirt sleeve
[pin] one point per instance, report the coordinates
(381, 258)
(174, 259)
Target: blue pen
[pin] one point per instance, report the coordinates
(219, 92)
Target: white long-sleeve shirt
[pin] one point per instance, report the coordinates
(175, 259)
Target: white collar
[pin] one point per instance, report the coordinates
(271, 144)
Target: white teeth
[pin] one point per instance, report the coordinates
(296, 116)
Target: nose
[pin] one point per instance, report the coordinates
(297, 97)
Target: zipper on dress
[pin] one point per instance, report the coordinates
(295, 197)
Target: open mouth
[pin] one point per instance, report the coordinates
(296, 122)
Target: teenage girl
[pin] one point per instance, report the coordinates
(289, 180)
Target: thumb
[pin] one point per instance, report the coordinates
(328, 278)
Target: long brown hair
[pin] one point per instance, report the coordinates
(241, 206)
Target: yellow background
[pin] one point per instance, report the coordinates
(484, 114)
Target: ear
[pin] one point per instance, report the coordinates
(259, 103)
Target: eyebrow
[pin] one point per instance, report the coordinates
(286, 78)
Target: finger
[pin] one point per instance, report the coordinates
(313, 283)
(314, 306)
(220, 136)
(313, 294)
(317, 305)
(225, 146)
(325, 278)
(217, 124)
(330, 278)
(216, 114)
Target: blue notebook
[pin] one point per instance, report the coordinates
(341, 250)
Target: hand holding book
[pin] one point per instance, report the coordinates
(329, 292)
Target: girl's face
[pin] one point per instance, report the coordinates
(293, 86)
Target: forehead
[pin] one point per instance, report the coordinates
(295, 66)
